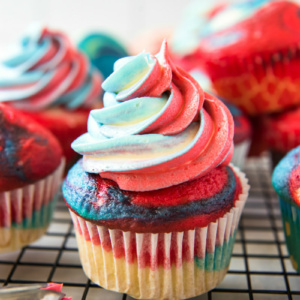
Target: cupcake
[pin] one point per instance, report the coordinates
(287, 185)
(154, 202)
(250, 50)
(53, 83)
(282, 133)
(31, 170)
(103, 50)
(242, 126)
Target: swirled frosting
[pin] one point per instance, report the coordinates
(286, 177)
(48, 71)
(157, 128)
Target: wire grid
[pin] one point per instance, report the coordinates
(260, 267)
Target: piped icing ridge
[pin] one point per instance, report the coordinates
(157, 128)
(286, 177)
(48, 71)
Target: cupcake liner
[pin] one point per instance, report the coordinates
(173, 265)
(26, 212)
(291, 224)
(240, 153)
(263, 83)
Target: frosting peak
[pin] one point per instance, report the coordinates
(48, 71)
(157, 128)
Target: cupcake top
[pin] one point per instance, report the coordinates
(286, 177)
(157, 128)
(282, 130)
(28, 151)
(48, 71)
(244, 29)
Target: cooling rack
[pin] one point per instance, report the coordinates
(260, 267)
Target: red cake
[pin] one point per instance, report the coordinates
(282, 132)
(30, 175)
(29, 152)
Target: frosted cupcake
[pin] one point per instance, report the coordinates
(31, 168)
(250, 51)
(287, 185)
(154, 203)
(103, 50)
(53, 83)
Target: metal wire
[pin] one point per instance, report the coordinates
(260, 266)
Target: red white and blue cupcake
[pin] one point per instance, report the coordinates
(31, 168)
(52, 82)
(286, 182)
(250, 50)
(154, 202)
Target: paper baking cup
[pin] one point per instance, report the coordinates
(240, 153)
(26, 212)
(291, 224)
(174, 265)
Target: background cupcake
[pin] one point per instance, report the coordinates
(246, 60)
(103, 50)
(282, 132)
(154, 203)
(31, 169)
(287, 185)
(52, 82)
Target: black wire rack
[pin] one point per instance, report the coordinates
(260, 267)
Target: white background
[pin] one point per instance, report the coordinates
(127, 20)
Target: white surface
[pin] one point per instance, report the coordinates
(125, 19)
